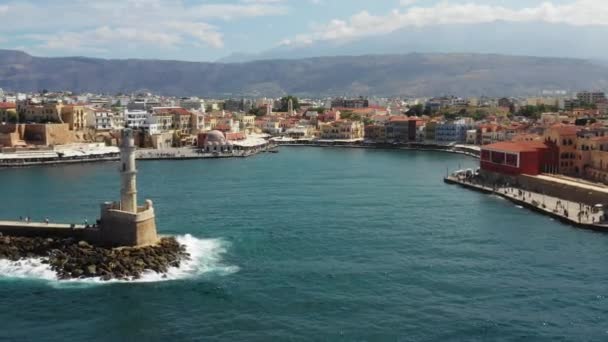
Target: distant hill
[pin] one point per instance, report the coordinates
(387, 75)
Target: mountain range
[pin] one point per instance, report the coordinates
(412, 74)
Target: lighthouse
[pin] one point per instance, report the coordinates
(124, 223)
(128, 173)
(290, 107)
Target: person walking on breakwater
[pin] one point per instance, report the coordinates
(46, 220)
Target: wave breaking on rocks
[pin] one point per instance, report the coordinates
(71, 260)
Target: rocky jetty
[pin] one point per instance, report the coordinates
(72, 259)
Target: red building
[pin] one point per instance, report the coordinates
(515, 158)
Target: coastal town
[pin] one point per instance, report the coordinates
(555, 144)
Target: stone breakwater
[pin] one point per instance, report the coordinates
(73, 259)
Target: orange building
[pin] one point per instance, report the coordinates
(565, 138)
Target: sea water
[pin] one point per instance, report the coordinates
(312, 244)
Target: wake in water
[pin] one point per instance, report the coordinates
(205, 258)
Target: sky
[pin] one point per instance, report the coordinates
(208, 30)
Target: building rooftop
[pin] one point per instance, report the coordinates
(520, 146)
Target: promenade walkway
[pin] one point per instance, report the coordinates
(573, 212)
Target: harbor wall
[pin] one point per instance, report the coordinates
(44, 230)
(551, 188)
(530, 206)
(36, 134)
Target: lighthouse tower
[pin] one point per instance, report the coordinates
(128, 189)
(290, 107)
(125, 223)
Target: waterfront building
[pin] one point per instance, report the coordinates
(516, 158)
(342, 130)
(300, 132)
(136, 119)
(375, 132)
(455, 131)
(564, 137)
(471, 137)
(101, 119)
(182, 121)
(398, 129)
(158, 122)
(430, 129)
(592, 154)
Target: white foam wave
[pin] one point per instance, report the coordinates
(205, 258)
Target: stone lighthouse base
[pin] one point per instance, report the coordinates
(121, 228)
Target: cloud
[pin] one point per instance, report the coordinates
(262, 1)
(407, 2)
(81, 25)
(362, 24)
(230, 11)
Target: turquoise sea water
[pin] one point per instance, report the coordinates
(314, 244)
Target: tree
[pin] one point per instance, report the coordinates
(319, 110)
(416, 110)
(285, 103)
(13, 117)
(450, 116)
(479, 115)
(258, 111)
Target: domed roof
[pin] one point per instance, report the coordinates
(215, 136)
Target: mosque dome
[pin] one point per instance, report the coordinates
(216, 136)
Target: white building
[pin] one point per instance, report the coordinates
(136, 119)
(102, 120)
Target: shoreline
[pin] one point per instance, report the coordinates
(561, 214)
(403, 147)
(189, 154)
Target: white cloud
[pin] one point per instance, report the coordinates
(82, 25)
(229, 11)
(407, 2)
(262, 1)
(577, 12)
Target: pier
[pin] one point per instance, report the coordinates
(42, 229)
(572, 213)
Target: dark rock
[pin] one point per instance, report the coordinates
(83, 244)
(91, 270)
(70, 258)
